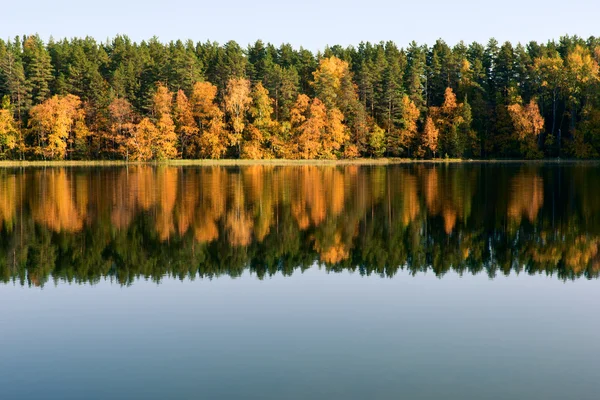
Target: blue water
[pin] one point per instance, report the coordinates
(312, 335)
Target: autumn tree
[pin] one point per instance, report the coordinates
(319, 133)
(58, 124)
(528, 124)
(185, 125)
(121, 123)
(213, 139)
(307, 123)
(258, 134)
(447, 119)
(453, 120)
(165, 144)
(9, 133)
(142, 141)
(430, 137)
(148, 140)
(336, 134)
(333, 85)
(237, 102)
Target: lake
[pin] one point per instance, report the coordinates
(411, 281)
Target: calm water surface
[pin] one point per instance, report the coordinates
(475, 281)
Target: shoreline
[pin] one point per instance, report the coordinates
(281, 162)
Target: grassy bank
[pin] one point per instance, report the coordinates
(277, 162)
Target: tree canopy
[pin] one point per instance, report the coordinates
(83, 99)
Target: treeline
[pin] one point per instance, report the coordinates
(81, 224)
(80, 99)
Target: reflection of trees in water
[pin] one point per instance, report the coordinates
(526, 196)
(143, 221)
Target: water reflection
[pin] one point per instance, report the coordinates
(80, 225)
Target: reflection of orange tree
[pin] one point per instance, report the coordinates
(319, 201)
(8, 199)
(239, 223)
(147, 189)
(263, 193)
(124, 192)
(211, 205)
(448, 192)
(526, 196)
(309, 195)
(166, 188)
(60, 200)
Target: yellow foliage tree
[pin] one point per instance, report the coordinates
(332, 82)
(140, 142)
(56, 122)
(237, 102)
(258, 134)
(336, 134)
(582, 76)
(9, 134)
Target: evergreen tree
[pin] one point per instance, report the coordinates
(38, 69)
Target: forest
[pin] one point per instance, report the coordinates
(79, 99)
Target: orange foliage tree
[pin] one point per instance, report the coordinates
(121, 123)
(213, 138)
(528, 124)
(164, 145)
(185, 125)
(318, 132)
(430, 137)
(140, 142)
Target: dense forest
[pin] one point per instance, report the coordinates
(121, 100)
(146, 221)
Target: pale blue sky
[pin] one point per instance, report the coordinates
(312, 23)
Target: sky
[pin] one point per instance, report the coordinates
(312, 24)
